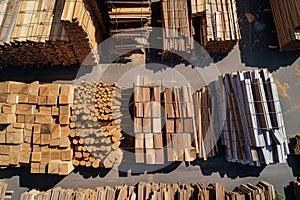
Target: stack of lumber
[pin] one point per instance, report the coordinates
(38, 33)
(34, 121)
(296, 188)
(96, 116)
(178, 33)
(253, 127)
(206, 138)
(148, 122)
(154, 191)
(296, 145)
(180, 124)
(130, 20)
(3, 187)
(216, 24)
(287, 21)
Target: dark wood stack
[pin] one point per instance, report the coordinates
(287, 20)
(206, 137)
(216, 25)
(54, 33)
(296, 145)
(178, 33)
(148, 122)
(96, 116)
(154, 191)
(296, 188)
(253, 127)
(35, 120)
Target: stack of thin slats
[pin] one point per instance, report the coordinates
(96, 116)
(287, 20)
(38, 33)
(253, 127)
(154, 191)
(35, 128)
(178, 33)
(296, 188)
(296, 145)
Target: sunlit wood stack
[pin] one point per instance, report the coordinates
(296, 145)
(296, 188)
(178, 33)
(35, 126)
(287, 20)
(154, 191)
(96, 116)
(216, 24)
(206, 136)
(39, 33)
(148, 122)
(253, 127)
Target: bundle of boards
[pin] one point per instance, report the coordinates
(165, 125)
(252, 121)
(34, 121)
(155, 191)
(296, 188)
(287, 21)
(214, 25)
(39, 33)
(296, 145)
(96, 116)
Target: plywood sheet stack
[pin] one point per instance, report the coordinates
(206, 138)
(216, 24)
(154, 191)
(96, 116)
(148, 121)
(35, 126)
(253, 129)
(287, 21)
(178, 33)
(36, 33)
(296, 188)
(180, 124)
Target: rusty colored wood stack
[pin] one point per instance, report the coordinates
(153, 191)
(96, 116)
(253, 127)
(35, 126)
(287, 21)
(216, 24)
(37, 33)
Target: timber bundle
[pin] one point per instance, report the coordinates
(39, 33)
(153, 191)
(296, 145)
(175, 127)
(254, 131)
(34, 121)
(296, 188)
(96, 116)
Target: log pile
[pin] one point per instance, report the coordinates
(216, 25)
(287, 21)
(37, 33)
(296, 145)
(96, 116)
(35, 126)
(206, 138)
(178, 33)
(296, 188)
(253, 127)
(153, 191)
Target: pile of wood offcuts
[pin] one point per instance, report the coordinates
(96, 116)
(253, 127)
(155, 191)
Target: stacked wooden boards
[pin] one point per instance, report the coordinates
(35, 129)
(296, 145)
(287, 20)
(171, 123)
(38, 33)
(154, 191)
(3, 187)
(253, 127)
(178, 33)
(96, 116)
(296, 188)
(216, 24)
